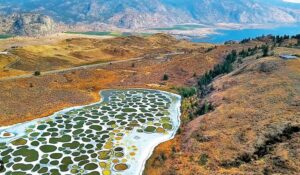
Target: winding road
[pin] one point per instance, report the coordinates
(85, 67)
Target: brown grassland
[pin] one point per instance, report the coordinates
(24, 58)
(38, 96)
(253, 129)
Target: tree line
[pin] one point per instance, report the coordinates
(276, 39)
(225, 67)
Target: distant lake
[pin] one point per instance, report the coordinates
(5, 36)
(238, 35)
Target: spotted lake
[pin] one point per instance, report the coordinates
(114, 136)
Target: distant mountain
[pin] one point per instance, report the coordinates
(155, 13)
(26, 24)
(121, 13)
(237, 11)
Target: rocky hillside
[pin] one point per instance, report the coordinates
(141, 13)
(237, 11)
(247, 121)
(30, 24)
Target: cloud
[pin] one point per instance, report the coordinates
(292, 1)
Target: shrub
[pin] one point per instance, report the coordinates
(265, 50)
(209, 49)
(165, 77)
(203, 159)
(205, 108)
(267, 67)
(37, 73)
(186, 92)
(200, 137)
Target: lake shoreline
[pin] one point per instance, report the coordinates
(144, 148)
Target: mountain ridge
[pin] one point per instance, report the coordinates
(140, 14)
(136, 14)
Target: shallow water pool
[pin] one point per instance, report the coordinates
(114, 136)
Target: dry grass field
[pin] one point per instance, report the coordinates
(39, 45)
(24, 58)
(254, 128)
(24, 99)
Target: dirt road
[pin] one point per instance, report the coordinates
(85, 67)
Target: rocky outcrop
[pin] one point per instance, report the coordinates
(27, 24)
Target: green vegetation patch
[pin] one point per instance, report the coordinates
(22, 167)
(29, 154)
(119, 154)
(52, 129)
(54, 162)
(35, 143)
(36, 167)
(167, 126)
(34, 134)
(43, 170)
(78, 131)
(19, 142)
(91, 166)
(56, 156)
(104, 155)
(6, 159)
(129, 110)
(48, 148)
(63, 168)
(83, 162)
(67, 161)
(80, 158)
(150, 129)
(79, 119)
(94, 173)
(44, 161)
(16, 159)
(96, 127)
(55, 172)
(42, 127)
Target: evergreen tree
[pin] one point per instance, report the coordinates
(265, 50)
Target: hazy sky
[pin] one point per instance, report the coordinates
(294, 1)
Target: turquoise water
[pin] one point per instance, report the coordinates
(180, 27)
(238, 35)
(5, 36)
